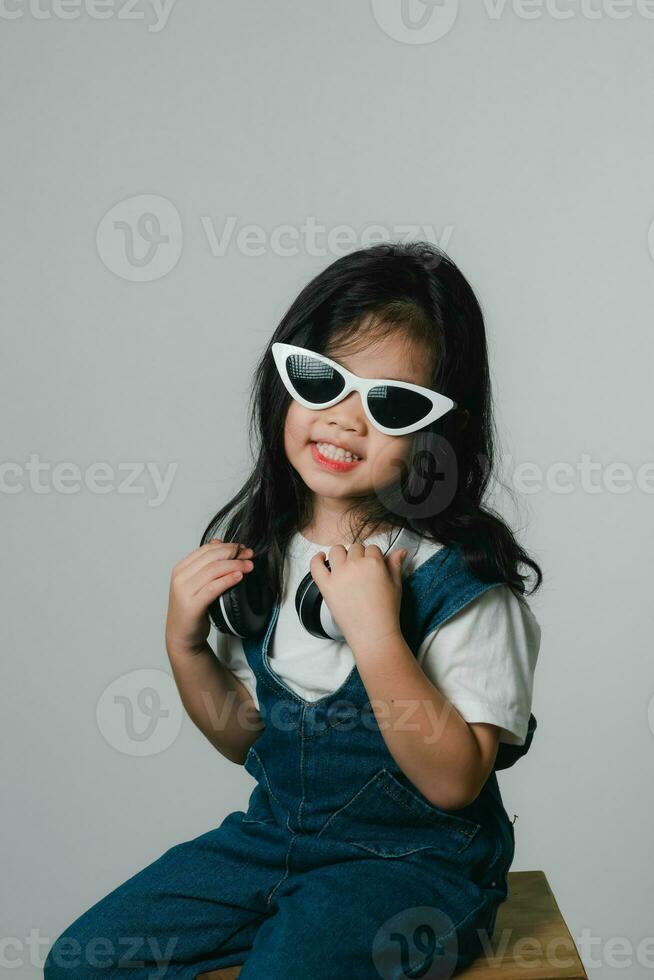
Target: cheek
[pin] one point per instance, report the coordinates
(296, 427)
(387, 454)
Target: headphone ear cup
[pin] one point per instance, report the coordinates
(313, 612)
(216, 615)
(244, 609)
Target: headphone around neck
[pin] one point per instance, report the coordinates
(244, 609)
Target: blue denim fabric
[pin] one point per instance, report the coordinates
(340, 867)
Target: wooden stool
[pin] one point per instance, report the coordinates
(530, 941)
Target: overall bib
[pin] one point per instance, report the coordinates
(341, 869)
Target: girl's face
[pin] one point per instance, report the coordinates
(346, 424)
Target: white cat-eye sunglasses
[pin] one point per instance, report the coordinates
(396, 408)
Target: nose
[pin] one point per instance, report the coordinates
(348, 414)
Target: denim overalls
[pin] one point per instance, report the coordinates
(341, 869)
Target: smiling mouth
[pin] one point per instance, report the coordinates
(332, 458)
(324, 444)
(335, 448)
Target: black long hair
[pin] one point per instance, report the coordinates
(414, 288)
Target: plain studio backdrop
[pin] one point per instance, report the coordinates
(173, 175)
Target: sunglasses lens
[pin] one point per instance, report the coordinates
(397, 407)
(314, 380)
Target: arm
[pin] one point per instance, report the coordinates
(216, 701)
(448, 759)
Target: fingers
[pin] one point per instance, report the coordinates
(355, 550)
(212, 558)
(395, 561)
(207, 552)
(339, 554)
(319, 571)
(217, 569)
(215, 587)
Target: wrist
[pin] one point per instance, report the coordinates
(374, 640)
(178, 650)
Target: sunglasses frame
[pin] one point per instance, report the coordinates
(441, 404)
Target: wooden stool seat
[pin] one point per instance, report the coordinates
(530, 939)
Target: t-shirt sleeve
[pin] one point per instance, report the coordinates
(230, 652)
(483, 661)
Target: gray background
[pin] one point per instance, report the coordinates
(526, 143)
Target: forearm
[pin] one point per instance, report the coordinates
(424, 732)
(216, 701)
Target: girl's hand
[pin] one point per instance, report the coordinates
(195, 582)
(362, 589)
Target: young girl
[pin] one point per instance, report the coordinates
(371, 690)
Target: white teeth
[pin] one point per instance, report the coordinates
(334, 453)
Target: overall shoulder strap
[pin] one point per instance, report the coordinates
(435, 592)
(438, 589)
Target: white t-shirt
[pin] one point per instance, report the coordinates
(482, 659)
